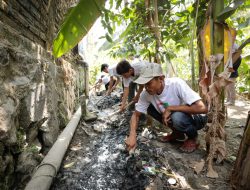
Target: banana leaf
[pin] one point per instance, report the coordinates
(228, 11)
(76, 25)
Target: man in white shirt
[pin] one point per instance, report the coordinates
(114, 77)
(129, 73)
(103, 78)
(172, 102)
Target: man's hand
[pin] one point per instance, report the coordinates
(166, 116)
(113, 88)
(122, 107)
(131, 142)
(108, 93)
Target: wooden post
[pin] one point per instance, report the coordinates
(241, 171)
(87, 116)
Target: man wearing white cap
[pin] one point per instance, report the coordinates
(172, 102)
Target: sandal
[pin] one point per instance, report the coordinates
(189, 146)
(174, 137)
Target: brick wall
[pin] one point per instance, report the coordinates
(38, 20)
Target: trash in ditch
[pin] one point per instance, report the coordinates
(146, 133)
(107, 102)
(172, 181)
(69, 165)
(76, 147)
(106, 164)
(149, 170)
(98, 127)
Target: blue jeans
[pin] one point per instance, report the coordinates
(182, 122)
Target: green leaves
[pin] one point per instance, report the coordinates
(228, 11)
(77, 23)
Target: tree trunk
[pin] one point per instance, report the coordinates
(215, 136)
(153, 24)
(194, 83)
(241, 172)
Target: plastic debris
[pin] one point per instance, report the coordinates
(69, 165)
(172, 181)
(150, 170)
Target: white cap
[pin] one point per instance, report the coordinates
(149, 72)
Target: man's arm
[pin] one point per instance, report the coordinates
(116, 83)
(124, 98)
(137, 96)
(197, 107)
(110, 85)
(131, 140)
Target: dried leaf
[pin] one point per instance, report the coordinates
(69, 165)
(75, 148)
(211, 173)
(198, 166)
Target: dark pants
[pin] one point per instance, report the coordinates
(107, 85)
(131, 95)
(182, 122)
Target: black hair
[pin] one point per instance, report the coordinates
(123, 67)
(103, 66)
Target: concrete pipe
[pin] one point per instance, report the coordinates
(47, 170)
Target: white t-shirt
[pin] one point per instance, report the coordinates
(176, 92)
(112, 71)
(104, 77)
(137, 70)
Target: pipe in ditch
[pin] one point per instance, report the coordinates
(47, 170)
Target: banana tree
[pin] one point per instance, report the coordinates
(217, 40)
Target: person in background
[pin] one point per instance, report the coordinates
(172, 102)
(103, 78)
(129, 73)
(230, 89)
(114, 77)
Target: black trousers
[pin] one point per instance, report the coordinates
(107, 85)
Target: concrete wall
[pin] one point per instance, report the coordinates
(37, 93)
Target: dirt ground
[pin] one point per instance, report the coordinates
(97, 158)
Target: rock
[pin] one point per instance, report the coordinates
(4, 58)
(7, 122)
(232, 159)
(7, 170)
(32, 106)
(89, 116)
(98, 128)
(1, 149)
(239, 135)
(27, 161)
(157, 184)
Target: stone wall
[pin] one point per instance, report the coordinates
(37, 93)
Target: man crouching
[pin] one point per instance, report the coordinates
(172, 102)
